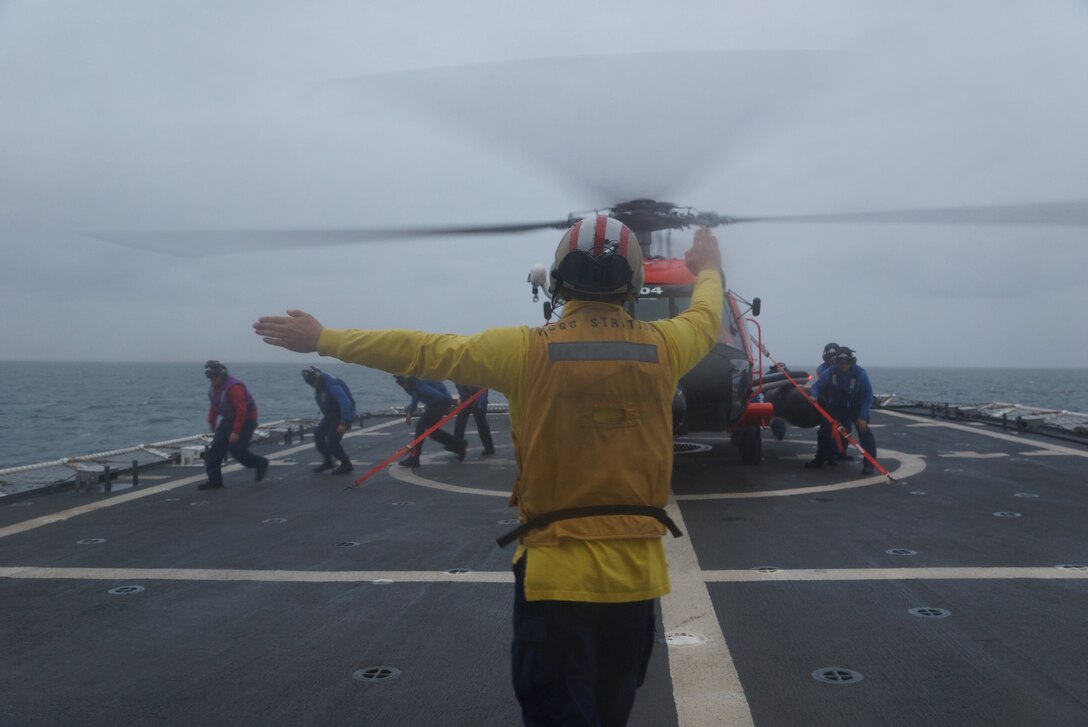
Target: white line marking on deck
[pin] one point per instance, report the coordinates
(894, 574)
(706, 686)
(142, 492)
(1045, 453)
(1051, 448)
(272, 576)
(909, 465)
(407, 475)
(675, 600)
(970, 454)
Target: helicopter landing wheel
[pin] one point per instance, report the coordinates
(750, 441)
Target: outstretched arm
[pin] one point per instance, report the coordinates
(298, 331)
(494, 358)
(691, 335)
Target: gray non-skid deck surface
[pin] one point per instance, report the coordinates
(203, 644)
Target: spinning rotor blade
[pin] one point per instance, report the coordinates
(201, 243)
(1072, 213)
(614, 126)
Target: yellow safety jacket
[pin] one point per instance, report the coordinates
(597, 409)
(599, 571)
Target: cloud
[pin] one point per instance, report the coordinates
(127, 116)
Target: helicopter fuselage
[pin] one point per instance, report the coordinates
(716, 395)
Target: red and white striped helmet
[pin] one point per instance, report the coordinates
(599, 258)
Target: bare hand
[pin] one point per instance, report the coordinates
(233, 439)
(863, 426)
(705, 253)
(298, 331)
(341, 428)
(408, 419)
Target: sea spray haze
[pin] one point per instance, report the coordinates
(61, 409)
(53, 410)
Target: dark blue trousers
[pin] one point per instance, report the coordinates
(825, 442)
(213, 459)
(482, 427)
(578, 664)
(431, 416)
(327, 438)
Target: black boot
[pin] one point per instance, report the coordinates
(328, 464)
(344, 468)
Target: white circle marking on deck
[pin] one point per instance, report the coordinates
(909, 465)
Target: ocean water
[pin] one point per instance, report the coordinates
(63, 409)
(1047, 388)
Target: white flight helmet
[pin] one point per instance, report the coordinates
(598, 258)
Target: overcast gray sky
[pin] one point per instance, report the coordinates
(128, 115)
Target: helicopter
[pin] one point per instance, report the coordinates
(724, 391)
(731, 390)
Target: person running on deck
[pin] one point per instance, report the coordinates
(478, 411)
(234, 407)
(337, 407)
(849, 396)
(591, 414)
(436, 404)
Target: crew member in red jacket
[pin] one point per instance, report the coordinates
(236, 411)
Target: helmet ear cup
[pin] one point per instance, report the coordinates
(555, 283)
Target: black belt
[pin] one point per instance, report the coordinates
(550, 517)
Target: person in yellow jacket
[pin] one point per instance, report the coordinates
(590, 407)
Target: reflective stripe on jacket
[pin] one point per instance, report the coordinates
(597, 425)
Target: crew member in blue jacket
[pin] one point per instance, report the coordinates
(437, 402)
(337, 407)
(826, 449)
(478, 411)
(849, 396)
